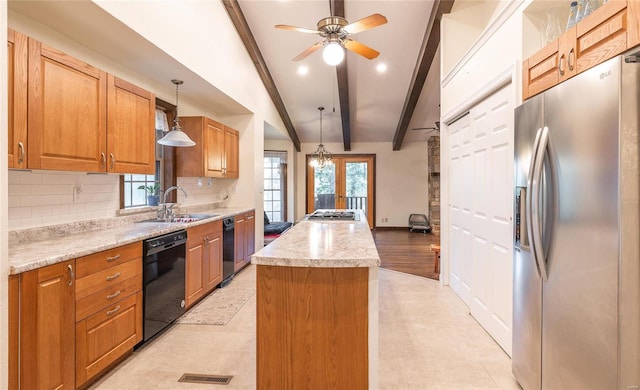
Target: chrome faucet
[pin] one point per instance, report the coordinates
(165, 212)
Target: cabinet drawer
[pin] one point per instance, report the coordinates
(109, 296)
(197, 233)
(105, 336)
(99, 261)
(106, 278)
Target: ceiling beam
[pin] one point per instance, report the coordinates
(241, 25)
(343, 84)
(425, 60)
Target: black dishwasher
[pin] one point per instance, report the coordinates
(164, 278)
(228, 250)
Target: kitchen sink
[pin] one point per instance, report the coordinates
(183, 218)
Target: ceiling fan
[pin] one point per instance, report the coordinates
(431, 129)
(336, 30)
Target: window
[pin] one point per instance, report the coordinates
(134, 197)
(275, 184)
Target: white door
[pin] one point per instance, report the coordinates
(480, 212)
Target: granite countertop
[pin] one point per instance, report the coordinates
(40, 247)
(328, 244)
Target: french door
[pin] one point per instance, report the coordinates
(346, 184)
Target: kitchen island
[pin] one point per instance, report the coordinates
(317, 307)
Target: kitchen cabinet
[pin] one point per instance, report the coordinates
(204, 260)
(244, 239)
(17, 55)
(215, 153)
(607, 32)
(82, 119)
(46, 329)
(108, 314)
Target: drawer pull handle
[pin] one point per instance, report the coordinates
(115, 309)
(103, 160)
(115, 294)
(113, 258)
(113, 277)
(113, 160)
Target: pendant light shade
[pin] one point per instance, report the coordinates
(321, 157)
(176, 137)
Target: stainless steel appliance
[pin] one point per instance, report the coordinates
(228, 250)
(576, 314)
(164, 278)
(328, 215)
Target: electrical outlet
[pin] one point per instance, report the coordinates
(385, 219)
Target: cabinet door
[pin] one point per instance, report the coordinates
(47, 337)
(231, 150)
(194, 285)
(130, 128)
(66, 112)
(213, 148)
(213, 276)
(568, 55)
(250, 235)
(105, 336)
(540, 71)
(602, 35)
(240, 243)
(17, 100)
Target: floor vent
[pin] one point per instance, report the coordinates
(206, 379)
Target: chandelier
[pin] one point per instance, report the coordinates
(321, 157)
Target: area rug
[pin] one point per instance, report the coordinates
(219, 307)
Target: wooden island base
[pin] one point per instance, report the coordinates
(312, 328)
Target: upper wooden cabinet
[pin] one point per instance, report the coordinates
(17, 54)
(74, 116)
(607, 32)
(130, 128)
(215, 153)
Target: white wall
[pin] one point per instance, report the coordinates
(401, 179)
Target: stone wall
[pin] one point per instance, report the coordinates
(433, 150)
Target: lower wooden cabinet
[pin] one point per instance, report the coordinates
(204, 260)
(108, 311)
(105, 336)
(245, 245)
(69, 321)
(46, 309)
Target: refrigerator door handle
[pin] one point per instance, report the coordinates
(528, 199)
(536, 229)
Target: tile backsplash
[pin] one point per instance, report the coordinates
(42, 198)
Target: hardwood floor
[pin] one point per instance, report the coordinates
(404, 251)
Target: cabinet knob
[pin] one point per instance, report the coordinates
(103, 160)
(571, 59)
(560, 63)
(113, 160)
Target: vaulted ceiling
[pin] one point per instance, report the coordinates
(362, 104)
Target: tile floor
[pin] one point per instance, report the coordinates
(427, 341)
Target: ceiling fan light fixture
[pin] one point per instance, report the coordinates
(176, 137)
(333, 53)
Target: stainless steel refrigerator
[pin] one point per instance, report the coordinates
(576, 314)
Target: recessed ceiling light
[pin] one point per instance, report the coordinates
(381, 67)
(303, 70)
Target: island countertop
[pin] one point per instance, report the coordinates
(323, 244)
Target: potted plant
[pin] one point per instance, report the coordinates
(151, 190)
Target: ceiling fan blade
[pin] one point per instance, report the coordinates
(309, 50)
(298, 29)
(363, 24)
(361, 49)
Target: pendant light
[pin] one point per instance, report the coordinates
(321, 157)
(176, 137)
